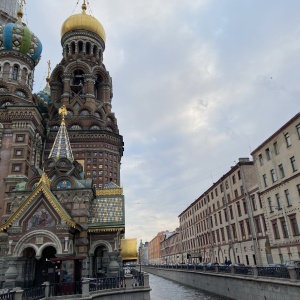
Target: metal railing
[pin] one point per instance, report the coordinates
(138, 279)
(7, 295)
(66, 288)
(278, 272)
(297, 272)
(244, 270)
(224, 269)
(34, 293)
(97, 284)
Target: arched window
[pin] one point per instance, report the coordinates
(88, 48)
(15, 72)
(95, 127)
(80, 47)
(84, 112)
(75, 127)
(63, 184)
(73, 48)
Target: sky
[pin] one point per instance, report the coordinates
(197, 85)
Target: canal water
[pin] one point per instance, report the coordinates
(163, 289)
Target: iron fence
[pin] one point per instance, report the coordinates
(7, 295)
(138, 279)
(66, 288)
(297, 272)
(224, 269)
(97, 284)
(199, 268)
(278, 272)
(34, 293)
(244, 270)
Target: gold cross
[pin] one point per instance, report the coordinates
(21, 3)
(49, 68)
(63, 112)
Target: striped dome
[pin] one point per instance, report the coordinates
(16, 36)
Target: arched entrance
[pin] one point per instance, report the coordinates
(45, 270)
(99, 263)
(29, 266)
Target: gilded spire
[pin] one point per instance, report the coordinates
(62, 147)
(48, 76)
(20, 11)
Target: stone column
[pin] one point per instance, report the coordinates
(18, 293)
(128, 281)
(292, 272)
(47, 289)
(255, 271)
(86, 288)
(11, 275)
(146, 280)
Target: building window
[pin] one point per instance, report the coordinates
(278, 201)
(239, 209)
(242, 228)
(216, 192)
(233, 179)
(220, 217)
(231, 212)
(18, 152)
(284, 228)
(287, 140)
(248, 226)
(245, 207)
(20, 138)
(298, 130)
(253, 200)
(257, 225)
(221, 188)
(294, 225)
(268, 154)
(293, 163)
(281, 171)
(8, 207)
(265, 180)
(15, 72)
(270, 205)
(226, 184)
(16, 167)
(236, 194)
(273, 175)
(288, 197)
(260, 158)
(275, 230)
(276, 148)
(225, 215)
(298, 188)
(239, 175)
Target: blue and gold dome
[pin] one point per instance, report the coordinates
(18, 37)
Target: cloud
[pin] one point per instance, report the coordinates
(197, 84)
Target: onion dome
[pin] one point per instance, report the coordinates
(44, 96)
(83, 21)
(16, 36)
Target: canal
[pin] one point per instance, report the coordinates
(163, 289)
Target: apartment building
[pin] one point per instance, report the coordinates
(171, 248)
(154, 249)
(277, 162)
(227, 221)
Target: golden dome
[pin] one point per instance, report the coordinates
(83, 21)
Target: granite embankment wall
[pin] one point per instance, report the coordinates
(237, 287)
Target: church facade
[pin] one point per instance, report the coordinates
(61, 206)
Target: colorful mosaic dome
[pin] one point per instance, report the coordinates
(18, 37)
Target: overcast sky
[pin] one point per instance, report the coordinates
(197, 84)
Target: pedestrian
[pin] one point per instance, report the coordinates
(229, 262)
(226, 261)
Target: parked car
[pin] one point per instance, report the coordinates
(292, 262)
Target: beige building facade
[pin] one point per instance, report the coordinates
(277, 163)
(227, 221)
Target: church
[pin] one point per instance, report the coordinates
(61, 205)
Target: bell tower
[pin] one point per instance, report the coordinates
(82, 83)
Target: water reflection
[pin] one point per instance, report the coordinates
(163, 289)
